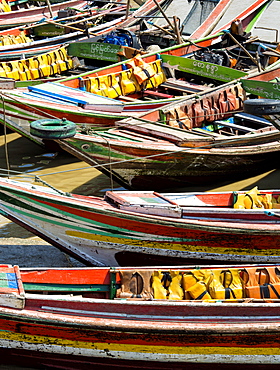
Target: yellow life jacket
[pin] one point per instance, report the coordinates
(24, 71)
(128, 82)
(113, 87)
(175, 289)
(21, 38)
(226, 284)
(195, 284)
(6, 40)
(43, 66)
(159, 292)
(54, 67)
(239, 201)
(33, 68)
(2, 71)
(63, 60)
(102, 85)
(11, 69)
(167, 285)
(252, 199)
(141, 70)
(4, 6)
(188, 280)
(158, 78)
(92, 85)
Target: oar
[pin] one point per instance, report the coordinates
(75, 28)
(270, 49)
(273, 214)
(127, 9)
(50, 8)
(165, 16)
(102, 12)
(179, 38)
(161, 28)
(71, 28)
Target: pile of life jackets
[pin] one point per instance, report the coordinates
(198, 285)
(14, 39)
(39, 66)
(201, 284)
(253, 199)
(136, 76)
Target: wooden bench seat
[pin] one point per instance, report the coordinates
(183, 86)
(235, 126)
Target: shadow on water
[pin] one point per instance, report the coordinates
(25, 156)
(59, 169)
(67, 173)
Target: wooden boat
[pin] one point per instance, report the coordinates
(174, 22)
(74, 25)
(201, 139)
(71, 27)
(117, 92)
(227, 11)
(202, 19)
(146, 228)
(81, 317)
(46, 58)
(54, 61)
(264, 89)
(23, 42)
(31, 15)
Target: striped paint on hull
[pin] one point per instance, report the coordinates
(144, 162)
(150, 353)
(48, 315)
(193, 343)
(96, 232)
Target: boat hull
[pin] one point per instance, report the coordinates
(99, 234)
(38, 359)
(73, 318)
(145, 166)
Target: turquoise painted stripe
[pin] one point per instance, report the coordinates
(122, 233)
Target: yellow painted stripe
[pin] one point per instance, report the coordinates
(122, 347)
(172, 246)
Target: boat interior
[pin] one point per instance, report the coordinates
(248, 284)
(179, 205)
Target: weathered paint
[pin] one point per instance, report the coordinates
(201, 68)
(26, 16)
(92, 229)
(87, 328)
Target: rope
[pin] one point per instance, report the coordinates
(109, 151)
(37, 179)
(130, 160)
(5, 137)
